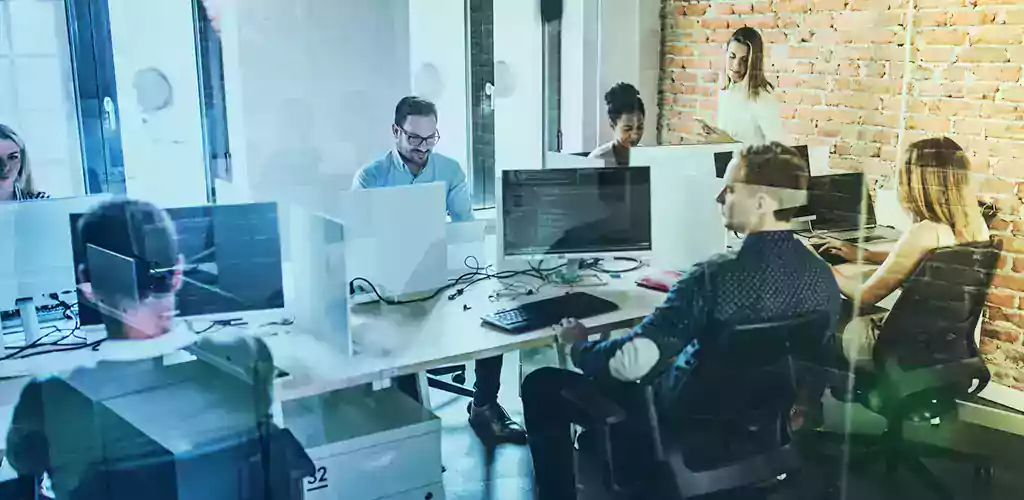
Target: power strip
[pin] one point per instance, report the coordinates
(46, 314)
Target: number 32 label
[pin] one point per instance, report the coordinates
(318, 480)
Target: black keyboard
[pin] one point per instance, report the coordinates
(548, 312)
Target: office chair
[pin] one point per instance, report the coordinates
(732, 432)
(458, 373)
(20, 488)
(925, 359)
(257, 466)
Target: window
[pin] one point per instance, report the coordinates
(553, 86)
(481, 74)
(213, 106)
(38, 92)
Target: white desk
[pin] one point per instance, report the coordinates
(399, 340)
(390, 340)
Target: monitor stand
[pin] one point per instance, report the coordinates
(29, 320)
(568, 275)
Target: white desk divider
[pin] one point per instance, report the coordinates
(888, 211)
(319, 283)
(818, 158)
(686, 221)
(566, 160)
(396, 237)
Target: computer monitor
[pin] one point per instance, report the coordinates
(722, 159)
(835, 201)
(575, 212)
(231, 260)
(35, 248)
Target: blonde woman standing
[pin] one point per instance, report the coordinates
(747, 109)
(15, 170)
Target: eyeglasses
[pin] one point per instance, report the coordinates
(417, 141)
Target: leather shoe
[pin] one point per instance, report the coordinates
(492, 423)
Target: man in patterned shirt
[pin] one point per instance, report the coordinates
(773, 276)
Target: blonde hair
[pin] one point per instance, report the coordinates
(935, 185)
(24, 179)
(755, 79)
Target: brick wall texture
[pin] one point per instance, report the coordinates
(867, 78)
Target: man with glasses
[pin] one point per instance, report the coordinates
(412, 162)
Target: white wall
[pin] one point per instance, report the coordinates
(605, 42)
(37, 93)
(311, 90)
(582, 112)
(439, 72)
(519, 94)
(163, 150)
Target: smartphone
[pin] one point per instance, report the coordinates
(705, 125)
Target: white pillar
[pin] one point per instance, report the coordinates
(164, 159)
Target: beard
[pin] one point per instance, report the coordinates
(416, 158)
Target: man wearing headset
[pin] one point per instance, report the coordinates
(50, 429)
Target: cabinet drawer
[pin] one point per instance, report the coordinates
(379, 471)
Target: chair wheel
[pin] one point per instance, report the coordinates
(459, 378)
(983, 475)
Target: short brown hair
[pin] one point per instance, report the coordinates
(775, 165)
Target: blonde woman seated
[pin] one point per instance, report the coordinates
(15, 170)
(935, 189)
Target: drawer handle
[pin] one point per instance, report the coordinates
(383, 461)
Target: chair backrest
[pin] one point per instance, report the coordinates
(739, 435)
(737, 399)
(934, 320)
(265, 465)
(750, 368)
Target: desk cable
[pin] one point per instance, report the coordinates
(476, 274)
(595, 265)
(68, 311)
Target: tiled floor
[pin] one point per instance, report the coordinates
(466, 478)
(463, 455)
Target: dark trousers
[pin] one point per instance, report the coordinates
(548, 418)
(488, 381)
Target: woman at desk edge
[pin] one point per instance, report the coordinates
(935, 189)
(747, 109)
(16, 183)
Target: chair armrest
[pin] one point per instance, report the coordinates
(287, 453)
(20, 488)
(603, 413)
(602, 410)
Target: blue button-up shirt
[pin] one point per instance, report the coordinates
(391, 171)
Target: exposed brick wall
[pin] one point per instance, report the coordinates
(846, 79)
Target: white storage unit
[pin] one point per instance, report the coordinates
(368, 445)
